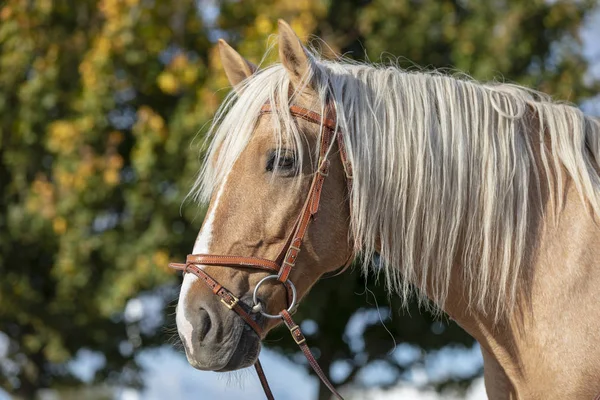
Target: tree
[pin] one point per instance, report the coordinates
(99, 101)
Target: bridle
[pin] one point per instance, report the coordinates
(283, 265)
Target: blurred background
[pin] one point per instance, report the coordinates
(103, 108)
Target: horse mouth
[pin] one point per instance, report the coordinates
(245, 352)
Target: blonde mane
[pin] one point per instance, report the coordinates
(443, 168)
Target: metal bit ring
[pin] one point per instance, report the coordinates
(255, 296)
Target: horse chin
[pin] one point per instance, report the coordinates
(241, 351)
(245, 353)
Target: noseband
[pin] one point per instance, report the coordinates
(283, 265)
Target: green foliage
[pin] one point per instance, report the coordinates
(99, 102)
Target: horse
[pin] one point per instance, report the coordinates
(483, 198)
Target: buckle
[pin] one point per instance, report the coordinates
(234, 301)
(297, 335)
(291, 255)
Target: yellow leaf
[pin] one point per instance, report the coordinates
(263, 25)
(189, 75)
(160, 258)
(111, 177)
(168, 83)
(156, 123)
(62, 136)
(103, 46)
(59, 224)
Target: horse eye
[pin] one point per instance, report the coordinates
(284, 161)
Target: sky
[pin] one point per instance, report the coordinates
(591, 49)
(169, 376)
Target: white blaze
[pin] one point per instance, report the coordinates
(201, 246)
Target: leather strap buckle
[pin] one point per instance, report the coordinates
(291, 255)
(297, 335)
(230, 305)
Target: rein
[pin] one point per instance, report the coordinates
(285, 262)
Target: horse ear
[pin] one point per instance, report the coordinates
(292, 55)
(237, 68)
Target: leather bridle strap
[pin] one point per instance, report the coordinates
(301, 342)
(263, 380)
(233, 261)
(286, 260)
(226, 297)
(291, 251)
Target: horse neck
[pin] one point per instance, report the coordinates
(550, 344)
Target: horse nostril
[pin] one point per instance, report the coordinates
(204, 324)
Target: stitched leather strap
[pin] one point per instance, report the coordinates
(233, 261)
(292, 248)
(263, 380)
(226, 296)
(301, 342)
(308, 115)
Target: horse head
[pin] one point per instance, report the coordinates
(260, 176)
